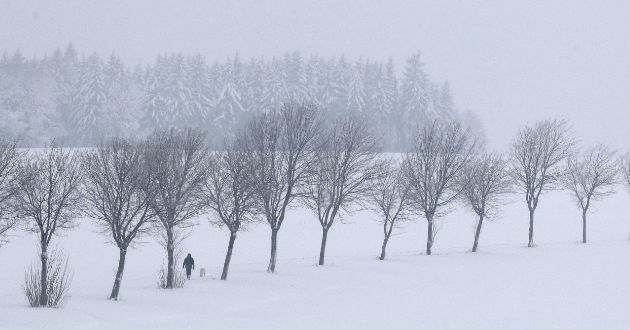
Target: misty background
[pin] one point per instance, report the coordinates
(508, 62)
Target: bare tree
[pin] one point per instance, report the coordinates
(344, 166)
(117, 195)
(10, 159)
(230, 190)
(176, 159)
(591, 178)
(390, 198)
(536, 156)
(49, 199)
(281, 144)
(431, 166)
(484, 182)
(624, 163)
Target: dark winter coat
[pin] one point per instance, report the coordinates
(189, 263)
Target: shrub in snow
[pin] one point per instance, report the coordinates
(58, 277)
(178, 279)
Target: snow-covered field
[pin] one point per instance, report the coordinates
(558, 284)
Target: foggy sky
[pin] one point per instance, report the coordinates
(511, 62)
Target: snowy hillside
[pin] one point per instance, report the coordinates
(560, 283)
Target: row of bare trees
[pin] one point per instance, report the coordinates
(445, 166)
(282, 159)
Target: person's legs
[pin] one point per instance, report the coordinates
(188, 271)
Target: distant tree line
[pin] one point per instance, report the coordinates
(79, 100)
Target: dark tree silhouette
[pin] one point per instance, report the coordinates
(281, 145)
(536, 161)
(117, 194)
(591, 178)
(438, 154)
(343, 169)
(230, 191)
(484, 182)
(176, 159)
(10, 180)
(390, 198)
(49, 200)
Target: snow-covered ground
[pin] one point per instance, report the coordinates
(558, 284)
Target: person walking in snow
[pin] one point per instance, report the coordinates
(189, 264)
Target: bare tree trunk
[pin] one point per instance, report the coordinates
(477, 232)
(322, 250)
(274, 246)
(429, 235)
(43, 296)
(584, 226)
(170, 251)
(388, 233)
(382, 257)
(228, 256)
(119, 273)
(531, 228)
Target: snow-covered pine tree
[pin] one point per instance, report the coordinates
(313, 79)
(388, 104)
(39, 116)
(255, 91)
(201, 92)
(229, 103)
(123, 103)
(414, 100)
(167, 100)
(379, 104)
(88, 100)
(275, 90)
(13, 93)
(447, 106)
(295, 77)
(340, 76)
(66, 73)
(356, 95)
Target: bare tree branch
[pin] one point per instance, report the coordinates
(176, 159)
(390, 197)
(436, 158)
(230, 191)
(49, 199)
(10, 180)
(624, 164)
(536, 156)
(281, 145)
(117, 194)
(483, 182)
(590, 178)
(344, 167)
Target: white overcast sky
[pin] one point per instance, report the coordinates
(511, 62)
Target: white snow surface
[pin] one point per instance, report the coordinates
(560, 283)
